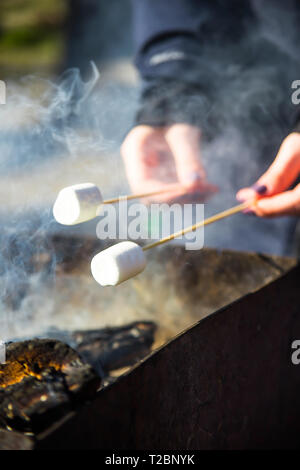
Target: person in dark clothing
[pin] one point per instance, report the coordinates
(210, 65)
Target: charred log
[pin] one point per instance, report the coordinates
(40, 382)
(108, 349)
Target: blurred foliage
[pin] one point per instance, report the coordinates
(31, 35)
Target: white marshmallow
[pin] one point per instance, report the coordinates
(118, 263)
(77, 203)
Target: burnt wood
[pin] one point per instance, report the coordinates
(41, 381)
(111, 348)
(44, 379)
(108, 349)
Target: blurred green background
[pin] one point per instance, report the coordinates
(48, 36)
(32, 35)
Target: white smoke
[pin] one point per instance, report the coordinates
(53, 134)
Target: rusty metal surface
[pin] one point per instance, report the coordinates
(227, 382)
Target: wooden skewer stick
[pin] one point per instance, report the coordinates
(125, 260)
(192, 228)
(139, 196)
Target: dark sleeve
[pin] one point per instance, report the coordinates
(165, 34)
(167, 47)
(169, 36)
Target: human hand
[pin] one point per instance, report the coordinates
(162, 158)
(271, 190)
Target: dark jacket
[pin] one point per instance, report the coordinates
(210, 62)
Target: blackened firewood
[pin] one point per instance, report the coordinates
(41, 381)
(112, 348)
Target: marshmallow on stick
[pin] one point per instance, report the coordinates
(78, 203)
(82, 202)
(124, 260)
(118, 263)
